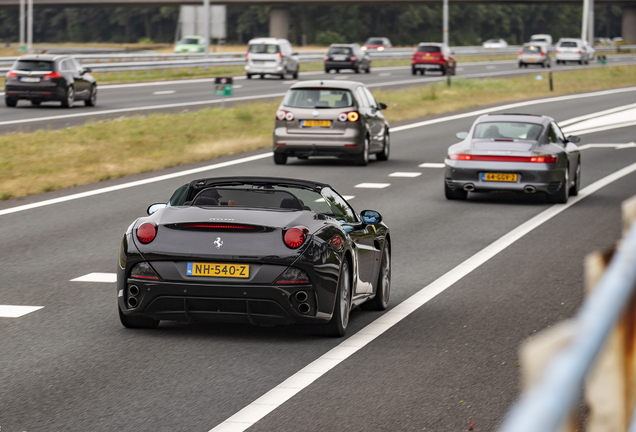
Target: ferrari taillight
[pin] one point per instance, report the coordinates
(146, 233)
(295, 237)
(143, 270)
(293, 275)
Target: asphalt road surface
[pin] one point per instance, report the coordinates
(68, 364)
(115, 101)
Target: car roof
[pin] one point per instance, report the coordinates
(570, 40)
(348, 85)
(430, 43)
(267, 40)
(44, 57)
(515, 117)
(342, 45)
(221, 181)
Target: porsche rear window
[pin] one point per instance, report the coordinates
(33, 65)
(264, 49)
(429, 48)
(318, 98)
(508, 130)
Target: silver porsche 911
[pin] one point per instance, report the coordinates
(515, 153)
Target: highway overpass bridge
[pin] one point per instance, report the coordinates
(279, 15)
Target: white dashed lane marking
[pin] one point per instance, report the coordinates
(431, 165)
(385, 74)
(491, 67)
(8, 311)
(373, 185)
(405, 174)
(164, 92)
(342, 77)
(97, 277)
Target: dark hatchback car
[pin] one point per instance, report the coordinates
(44, 78)
(347, 56)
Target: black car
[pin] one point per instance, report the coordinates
(43, 78)
(263, 251)
(347, 56)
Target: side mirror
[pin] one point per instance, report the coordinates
(382, 106)
(370, 217)
(461, 135)
(574, 139)
(154, 207)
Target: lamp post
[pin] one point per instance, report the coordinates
(206, 14)
(445, 19)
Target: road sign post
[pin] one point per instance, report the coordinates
(223, 88)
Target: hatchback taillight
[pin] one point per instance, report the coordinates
(11, 74)
(284, 115)
(352, 116)
(353, 58)
(326, 58)
(52, 75)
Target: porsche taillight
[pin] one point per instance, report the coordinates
(146, 232)
(295, 237)
(488, 158)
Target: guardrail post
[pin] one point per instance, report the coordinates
(611, 385)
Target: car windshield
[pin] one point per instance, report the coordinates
(264, 49)
(374, 42)
(339, 50)
(568, 44)
(492, 41)
(539, 40)
(33, 65)
(532, 49)
(265, 196)
(508, 130)
(429, 48)
(189, 41)
(318, 98)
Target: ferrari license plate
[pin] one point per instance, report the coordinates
(317, 123)
(499, 177)
(218, 270)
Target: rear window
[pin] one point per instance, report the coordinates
(374, 42)
(508, 130)
(339, 50)
(533, 49)
(429, 48)
(318, 98)
(264, 49)
(33, 65)
(189, 41)
(568, 44)
(539, 40)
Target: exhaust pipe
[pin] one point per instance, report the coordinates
(301, 296)
(530, 189)
(469, 187)
(303, 308)
(133, 290)
(132, 302)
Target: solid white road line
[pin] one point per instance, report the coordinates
(97, 277)
(405, 174)
(431, 165)
(615, 146)
(568, 122)
(571, 131)
(373, 185)
(9, 311)
(164, 92)
(303, 378)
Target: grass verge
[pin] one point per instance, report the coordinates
(47, 160)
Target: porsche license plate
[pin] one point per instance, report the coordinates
(317, 123)
(499, 177)
(218, 270)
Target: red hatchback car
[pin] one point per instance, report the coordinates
(433, 56)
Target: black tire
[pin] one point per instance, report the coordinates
(137, 322)
(562, 195)
(295, 74)
(337, 70)
(549, 65)
(249, 76)
(386, 149)
(357, 69)
(69, 98)
(303, 157)
(92, 98)
(368, 70)
(262, 76)
(581, 62)
(574, 190)
(327, 70)
(443, 71)
(36, 102)
(337, 326)
(282, 76)
(362, 159)
(543, 65)
(280, 158)
(10, 102)
(422, 72)
(457, 194)
(520, 65)
(413, 71)
(383, 288)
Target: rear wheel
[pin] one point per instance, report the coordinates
(562, 195)
(137, 322)
(69, 98)
(383, 289)
(295, 74)
(386, 149)
(357, 69)
(443, 70)
(574, 190)
(249, 76)
(457, 194)
(10, 102)
(92, 99)
(413, 71)
(36, 102)
(368, 70)
(422, 71)
(362, 159)
(337, 326)
(280, 159)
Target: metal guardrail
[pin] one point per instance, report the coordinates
(595, 349)
(147, 62)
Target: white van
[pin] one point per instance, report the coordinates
(271, 56)
(541, 38)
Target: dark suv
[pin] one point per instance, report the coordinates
(347, 56)
(42, 78)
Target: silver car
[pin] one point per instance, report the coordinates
(515, 153)
(534, 54)
(271, 56)
(330, 118)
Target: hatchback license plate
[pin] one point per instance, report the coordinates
(30, 79)
(499, 177)
(218, 270)
(317, 123)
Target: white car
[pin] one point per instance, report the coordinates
(271, 56)
(495, 43)
(574, 50)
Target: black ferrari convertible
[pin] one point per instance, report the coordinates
(263, 251)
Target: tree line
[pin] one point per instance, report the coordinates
(404, 24)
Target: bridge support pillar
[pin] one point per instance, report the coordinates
(279, 22)
(629, 24)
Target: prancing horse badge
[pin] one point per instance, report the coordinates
(218, 242)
